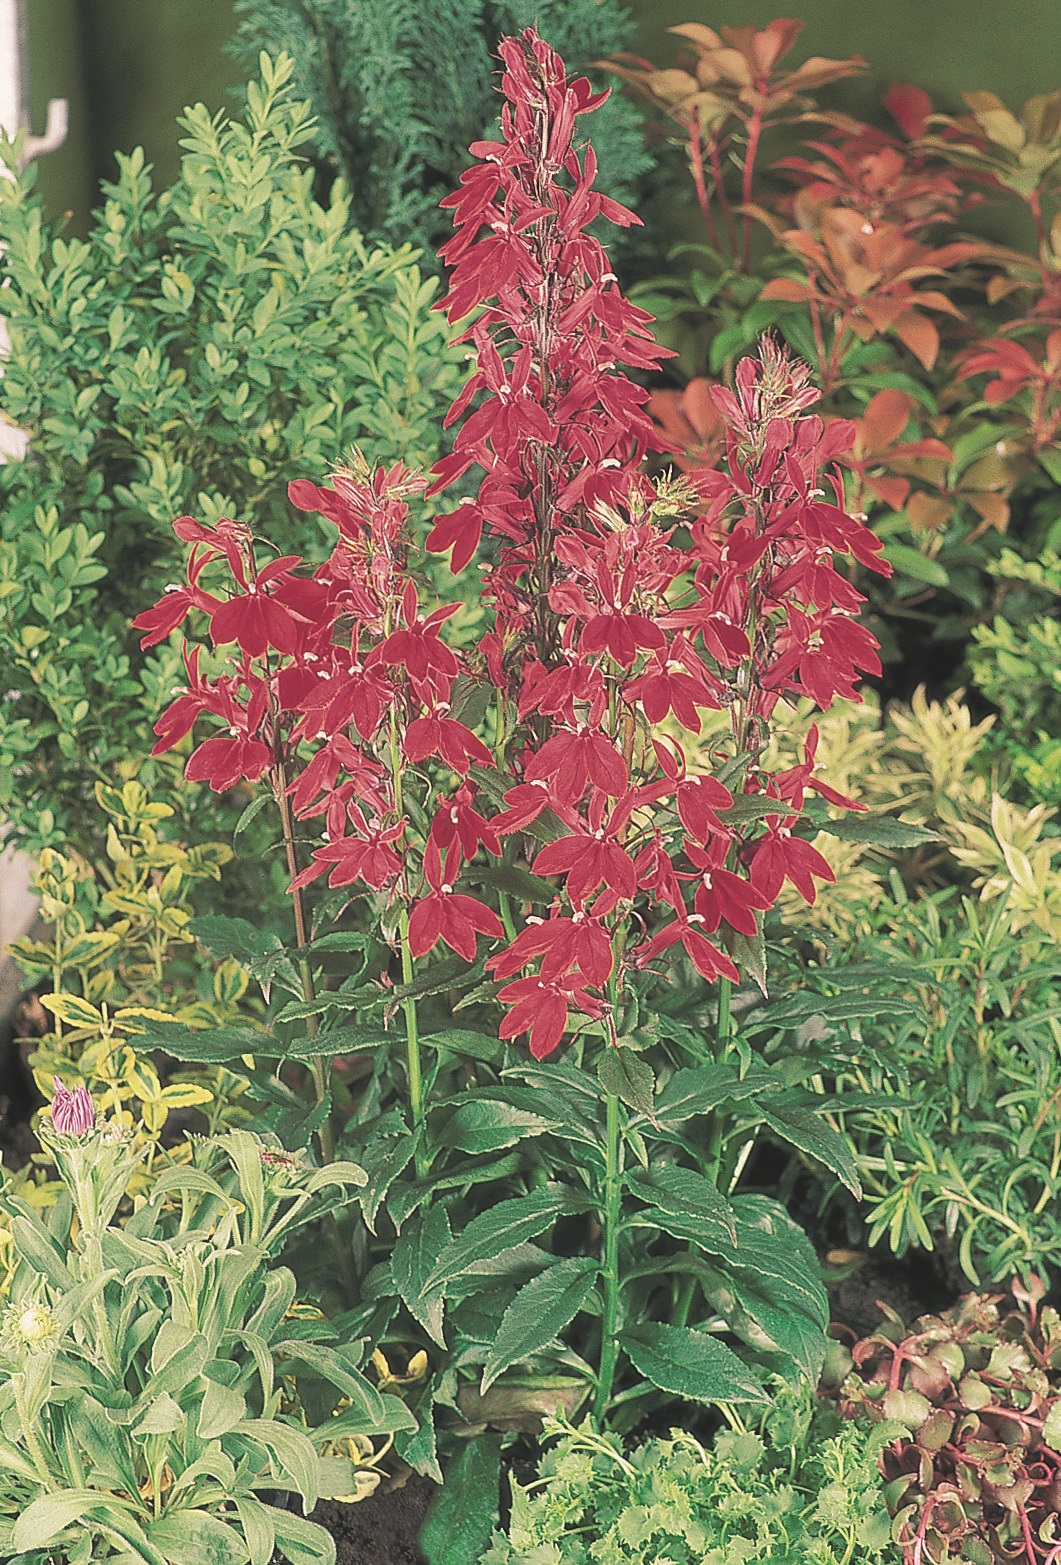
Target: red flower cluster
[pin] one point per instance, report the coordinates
(624, 611)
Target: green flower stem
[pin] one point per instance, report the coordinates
(319, 1063)
(715, 1144)
(609, 1216)
(723, 1039)
(724, 1022)
(414, 1072)
(412, 1049)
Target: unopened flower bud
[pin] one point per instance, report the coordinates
(72, 1112)
(35, 1325)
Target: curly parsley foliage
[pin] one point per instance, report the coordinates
(803, 1486)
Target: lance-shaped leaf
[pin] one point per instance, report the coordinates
(686, 1205)
(504, 1226)
(416, 1250)
(538, 1313)
(771, 1292)
(690, 1364)
(809, 1131)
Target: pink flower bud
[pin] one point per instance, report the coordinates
(72, 1112)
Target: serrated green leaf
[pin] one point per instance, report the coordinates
(453, 973)
(793, 1011)
(702, 1088)
(625, 1075)
(337, 1040)
(771, 1291)
(238, 937)
(880, 831)
(749, 953)
(481, 1125)
(686, 1205)
(538, 1313)
(472, 1045)
(253, 809)
(422, 1240)
(340, 940)
(504, 1226)
(213, 1045)
(419, 1446)
(691, 1364)
(458, 1525)
(808, 1132)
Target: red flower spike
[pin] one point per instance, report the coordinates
(547, 429)
(609, 617)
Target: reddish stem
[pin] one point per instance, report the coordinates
(696, 165)
(755, 128)
(723, 198)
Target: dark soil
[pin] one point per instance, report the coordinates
(908, 1286)
(381, 1530)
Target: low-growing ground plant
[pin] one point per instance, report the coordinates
(794, 1483)
(147, 1403)
(975, 1473)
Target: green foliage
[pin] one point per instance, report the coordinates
(795, 1485)
(401, 88)
(468, 1214)
(1016, 663)
(202, 345)
(961, 1153)
(117, 946)
(147, 1403)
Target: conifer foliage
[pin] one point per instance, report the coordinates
(400, 88)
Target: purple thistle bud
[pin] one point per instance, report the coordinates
(72, 1112)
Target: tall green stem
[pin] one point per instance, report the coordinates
(723, 1035)
(412, 1049)
(414, 1072)
(318, 1062)
(609, 1216)
(724, 1023)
